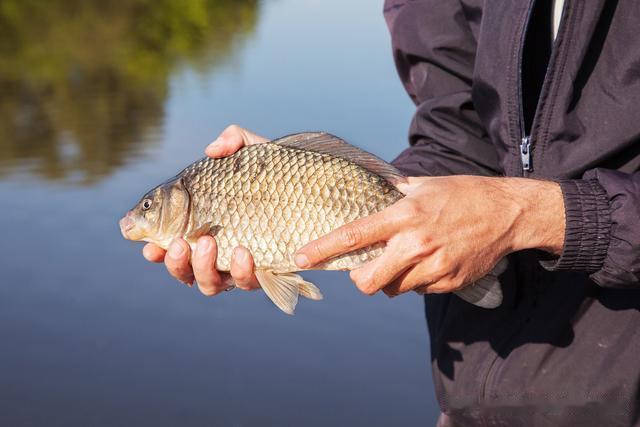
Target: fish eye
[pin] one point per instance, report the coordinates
(146, 204)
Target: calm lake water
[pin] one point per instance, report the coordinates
(100, 102)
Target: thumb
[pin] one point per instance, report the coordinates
(231, 140)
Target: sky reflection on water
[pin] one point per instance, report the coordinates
(93, 335)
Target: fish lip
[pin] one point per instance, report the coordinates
(126, 225)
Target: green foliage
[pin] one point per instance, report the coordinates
(83, 81)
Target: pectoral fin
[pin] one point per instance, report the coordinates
(283, 289)
(487, 291)
(203, 230)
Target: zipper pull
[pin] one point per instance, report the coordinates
(525, 153)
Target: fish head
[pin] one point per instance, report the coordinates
(161, 215)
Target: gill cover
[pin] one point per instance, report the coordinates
(176, 208)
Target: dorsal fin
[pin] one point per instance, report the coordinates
(325, 143)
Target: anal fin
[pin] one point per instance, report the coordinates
(283, 289)
(309, 290)
(193, 235)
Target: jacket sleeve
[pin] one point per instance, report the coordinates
(603, 227)
(434, 51)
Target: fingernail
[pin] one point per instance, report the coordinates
(301, 260)
(176, 250)
(203, 246)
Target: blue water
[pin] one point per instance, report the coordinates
(92, 335)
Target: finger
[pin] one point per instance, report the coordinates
(377, 274)
(415, 257)
(242, 269)
(420, 277)
(177, 261)
(422, 289)
(153, 253)
(403, 285)
(204, 266)
(231, 140)
(354, 235)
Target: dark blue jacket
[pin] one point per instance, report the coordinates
(496, 96)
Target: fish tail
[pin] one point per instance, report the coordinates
(486, 292)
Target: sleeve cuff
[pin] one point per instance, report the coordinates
(588, 225)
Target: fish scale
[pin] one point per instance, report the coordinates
(273, 200)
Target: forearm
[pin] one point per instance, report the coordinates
(589, 223)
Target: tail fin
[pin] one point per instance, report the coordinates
(486, 292)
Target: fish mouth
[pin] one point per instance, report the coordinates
(126, 225)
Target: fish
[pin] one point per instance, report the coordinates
(273, 198)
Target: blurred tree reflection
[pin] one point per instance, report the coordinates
(83, 81)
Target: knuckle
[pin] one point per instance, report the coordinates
(316, 251)
(441, 265)
(350, 236)
(177, 262)
(233, 128)
(410, 208)
(421, 249)
(178, 271)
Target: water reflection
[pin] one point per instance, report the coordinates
(83, 83)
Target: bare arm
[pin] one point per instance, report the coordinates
(447, 232)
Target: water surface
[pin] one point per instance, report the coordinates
(100, 101)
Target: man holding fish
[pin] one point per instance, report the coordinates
(524, 145)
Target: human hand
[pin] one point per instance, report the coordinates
(200, 266)
(447, 232)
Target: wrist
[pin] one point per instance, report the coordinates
(540, 223)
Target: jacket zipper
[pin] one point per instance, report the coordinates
(525, 158)
(525, 153)
(526, 140)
